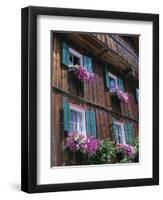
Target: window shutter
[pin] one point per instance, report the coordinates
(65, 54)
(107, 77)
(87, 63)
(91, 123)
(88, 122)
(129, 133)
(137, 95)
(120, 84)
(114, 130)
(66, 116)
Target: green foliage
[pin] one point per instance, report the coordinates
(105, 154)
(125, 160)
(136, 143)
(108, 153)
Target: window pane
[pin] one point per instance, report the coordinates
(79, 118)
(75, 127)
(71, 127)
(76, 61)
(80, 128)
(75, 116)
(71, 115)
(76, 121)
(111, 82)
(119, 134)
(71, 59)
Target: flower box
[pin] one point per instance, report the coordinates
(122, 96)
(82, 74)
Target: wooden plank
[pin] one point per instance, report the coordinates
(58, 90)
(53, 140)
(54, 61)
(59, 82)
(55, 129)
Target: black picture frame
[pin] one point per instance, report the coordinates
(29, 98)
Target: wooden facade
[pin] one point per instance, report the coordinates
(120, 55)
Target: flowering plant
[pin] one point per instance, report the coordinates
(85, 144)
(105, 154)
(89, 150)
(126, 150)
(123, 96)
(82, 73)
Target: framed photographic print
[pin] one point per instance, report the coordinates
(90, 99)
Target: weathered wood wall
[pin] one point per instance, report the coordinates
(96, 96)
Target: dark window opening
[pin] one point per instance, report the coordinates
(74, 60)
(76, 87)
(116, 104)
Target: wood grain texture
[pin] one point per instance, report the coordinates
(91, 97)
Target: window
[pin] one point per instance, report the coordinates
(75, 86)
(119, 132)
(71, 57)
(116, 104)
(123, 132)
(77, 120)
(113, 82)
(75, 58)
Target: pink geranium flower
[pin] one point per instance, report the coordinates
(82, 74)
(86, 144)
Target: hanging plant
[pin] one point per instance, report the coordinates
(82, 73)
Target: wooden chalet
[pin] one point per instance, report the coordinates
(91, 108)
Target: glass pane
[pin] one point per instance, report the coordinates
(80, 128)
(79, 118)
(76, 121)
(75, 127)
(121, 139)
(71, 59)
(111, 82)
(71, 115)
(72, 127)
(119, 134)
(76, 61)
(75, 116)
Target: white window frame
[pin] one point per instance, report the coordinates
(115, 78)
(75, 53)
(77, 109)
(121, 124)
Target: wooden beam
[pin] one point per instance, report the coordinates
(58, 90)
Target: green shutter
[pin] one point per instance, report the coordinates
(114, 130)
(120, 84)
(137, 95)
(91, 123)
(65, 54)
(107, 83)
(88, 122)
(87, 62)
(129, 133)
(66, 116)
